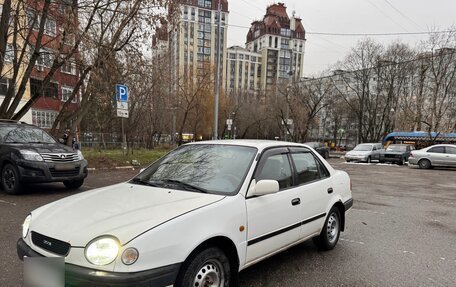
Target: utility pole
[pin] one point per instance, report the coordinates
(217, 73)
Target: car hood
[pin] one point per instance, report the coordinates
(44, 148)
(123, 210)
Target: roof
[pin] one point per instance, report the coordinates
(260, 144)
(420, 135)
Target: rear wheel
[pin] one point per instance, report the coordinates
(424, 164)
(73, 184)
(10, 179)
(330, 233)
(210, 267)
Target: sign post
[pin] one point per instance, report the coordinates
(122, 109)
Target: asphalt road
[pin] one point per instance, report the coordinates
(401, 231)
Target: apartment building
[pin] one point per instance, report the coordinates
(193, 38)
(280, 40)
(243, 80)
(46, 108)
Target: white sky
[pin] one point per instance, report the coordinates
(347, 16)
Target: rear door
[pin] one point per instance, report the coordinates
(450, 155)
(315, 189)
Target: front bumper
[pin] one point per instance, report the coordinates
(40, 172)
(77, 276)
(355, 158)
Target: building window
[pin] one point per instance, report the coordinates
(66, 94)
(69, 67)
(50, 91)
(4, 82)
(9, 53)
(43, 119)
(50, 27)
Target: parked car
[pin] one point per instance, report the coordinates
(396, 153)
(320, 148)
(29, 154)
(365, 152)
(436, 155)
(196, 216)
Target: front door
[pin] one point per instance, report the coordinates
(274, 220)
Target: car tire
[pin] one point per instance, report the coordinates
(209, 265)
(424, 164)
(73, 184)
(402, 161)
(369, 159)
(10, 179)
(330, 233)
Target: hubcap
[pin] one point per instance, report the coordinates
(332, 228)
(9, 179)
(210, 275)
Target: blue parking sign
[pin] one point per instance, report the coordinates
(121, 93)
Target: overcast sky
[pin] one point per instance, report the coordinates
(347, 16)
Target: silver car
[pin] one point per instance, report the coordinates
(365, 152)
(436, 155)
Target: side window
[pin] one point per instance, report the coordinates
(277, 167)
(437, 149)
(307, 167)
(450, 150)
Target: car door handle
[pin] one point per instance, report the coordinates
(296, 201)
(330, 190)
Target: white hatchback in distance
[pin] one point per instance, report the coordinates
(195, 217)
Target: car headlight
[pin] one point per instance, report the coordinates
(26, 225)
(31, 155)
(80, 156)
(102, 251)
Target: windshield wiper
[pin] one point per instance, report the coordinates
(185, 185)
(139, 180)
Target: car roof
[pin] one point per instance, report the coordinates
(260, 144)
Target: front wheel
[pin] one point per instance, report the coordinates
(369, 159)
(10, 179)
(73, 184)
(330, 233)
(210, 267)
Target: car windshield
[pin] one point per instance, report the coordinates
(397, 148)
(208, 168)
(24, 134)
(363, 147)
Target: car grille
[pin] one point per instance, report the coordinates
(60, 157)
(392, 155)
(64, 173)
(50, 244)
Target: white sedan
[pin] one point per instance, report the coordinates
(195, 217)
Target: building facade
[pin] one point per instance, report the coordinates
(243, 69)
(51, 99)
(193, 38)
(280, 40)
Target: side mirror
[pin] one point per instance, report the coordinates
(264, 187)
(62, 141)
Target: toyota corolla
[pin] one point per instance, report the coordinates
(196, 217)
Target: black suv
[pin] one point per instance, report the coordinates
(29, 154)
